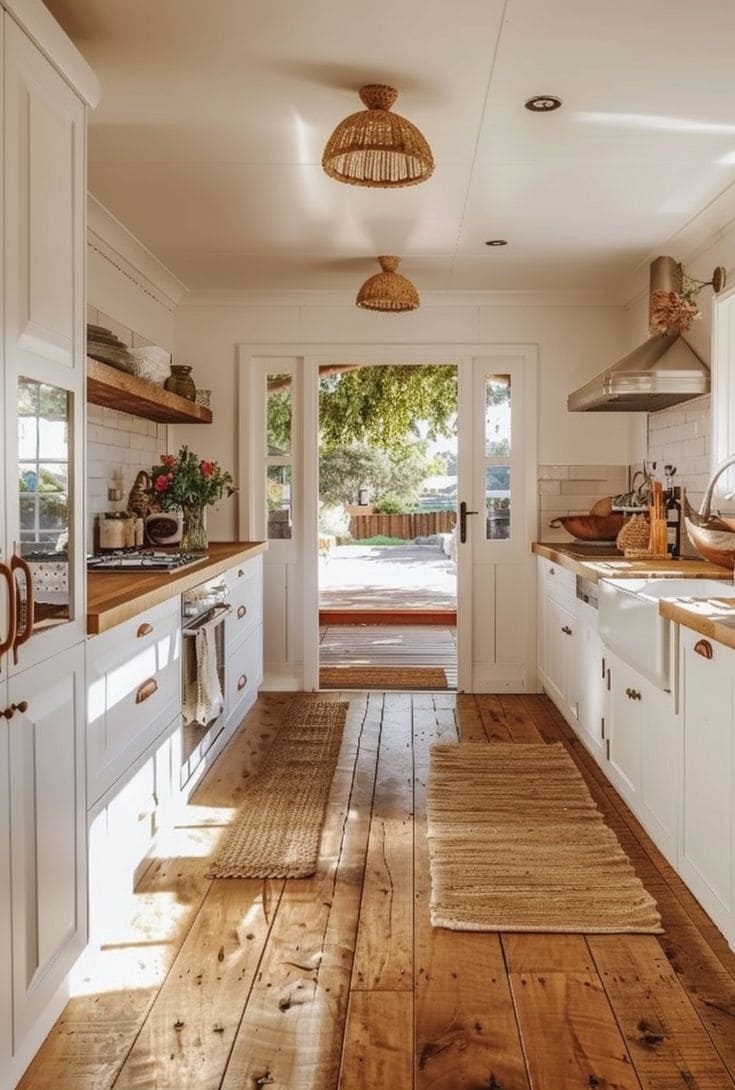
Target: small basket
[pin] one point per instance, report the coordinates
(635, 536)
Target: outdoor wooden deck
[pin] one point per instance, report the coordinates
(339, 981)
(390, 645)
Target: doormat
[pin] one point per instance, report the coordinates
(516, 843)
(277, 831)
(382, 677)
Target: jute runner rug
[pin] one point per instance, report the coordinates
(277, 831)
(382, 677)
(516, 843)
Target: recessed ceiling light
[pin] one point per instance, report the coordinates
(497, 242)
(543, 104)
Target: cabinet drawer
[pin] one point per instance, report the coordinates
(561, 586)
(246, 604)
(249, 569)
(244, 671)
(133, 692)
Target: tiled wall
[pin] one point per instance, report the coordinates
(572, 490)
(118, 445)
(682, 436)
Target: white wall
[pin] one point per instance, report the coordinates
(683, 434)
(131, 294)
(576, 339)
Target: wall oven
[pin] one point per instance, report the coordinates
(204, 609)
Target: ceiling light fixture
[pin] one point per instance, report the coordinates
(497, 242)
(388, 290)
(376, 147)
(543, 104)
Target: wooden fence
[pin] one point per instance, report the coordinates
(408, 527)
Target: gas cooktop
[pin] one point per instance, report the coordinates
(142, 560)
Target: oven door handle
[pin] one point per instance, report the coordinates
(212, 616)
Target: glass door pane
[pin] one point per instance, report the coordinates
(497, 457)
(44, 424)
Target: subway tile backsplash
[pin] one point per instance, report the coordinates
(682, 436)
(572, 490)
(118, 445)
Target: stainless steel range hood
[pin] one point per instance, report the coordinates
(662, 372)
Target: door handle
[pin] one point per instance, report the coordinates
(463, 513)
(18, 564)
(7, 575)
(566, 630)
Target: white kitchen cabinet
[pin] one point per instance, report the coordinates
(556, 624)
(133, 692)
(707, 839)
(642, 745)
(45, 84)
(243, 640)
(589, 681)
(47, 843)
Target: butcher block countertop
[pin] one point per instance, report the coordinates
(712, 617)
(610, 564)
(113, 597)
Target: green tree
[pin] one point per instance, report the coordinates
(383, 405)
(398, 474)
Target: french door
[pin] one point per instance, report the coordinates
(497, 521)
(497, 472)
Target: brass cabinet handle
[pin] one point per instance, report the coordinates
(566, 630)
(22, 707)
(704, 648)
(148, 688)
(144, 630)
(241, 682)
(242, 610)
(18, 564)
(7, 575)
(633, 694)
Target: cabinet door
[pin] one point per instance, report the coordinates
(44, 194)
(589, 681)
(44, 211)
(623, 729)
(48, 852)
(559, 654)
(706, 842)
(6, 983)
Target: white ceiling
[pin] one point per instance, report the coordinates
(208, 140)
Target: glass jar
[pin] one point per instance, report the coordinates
(180, 382)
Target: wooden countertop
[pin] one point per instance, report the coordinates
(608, 565)
(113, 597)
(712, 617)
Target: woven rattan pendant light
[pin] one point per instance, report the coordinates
(376, 147)
(388, 290)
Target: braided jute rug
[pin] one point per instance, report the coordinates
(516, 843)
(382, 677)
(276, 834)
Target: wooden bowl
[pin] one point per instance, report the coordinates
(591, 527)
(713, 537)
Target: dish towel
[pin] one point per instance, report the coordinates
(203, 699)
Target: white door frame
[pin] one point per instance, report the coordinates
(314, 355)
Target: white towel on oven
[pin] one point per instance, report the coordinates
(203, 699)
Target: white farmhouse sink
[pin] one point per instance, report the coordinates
(633, 629)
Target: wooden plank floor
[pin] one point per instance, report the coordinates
(339, 982)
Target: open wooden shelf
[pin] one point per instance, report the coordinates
(129, 394)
